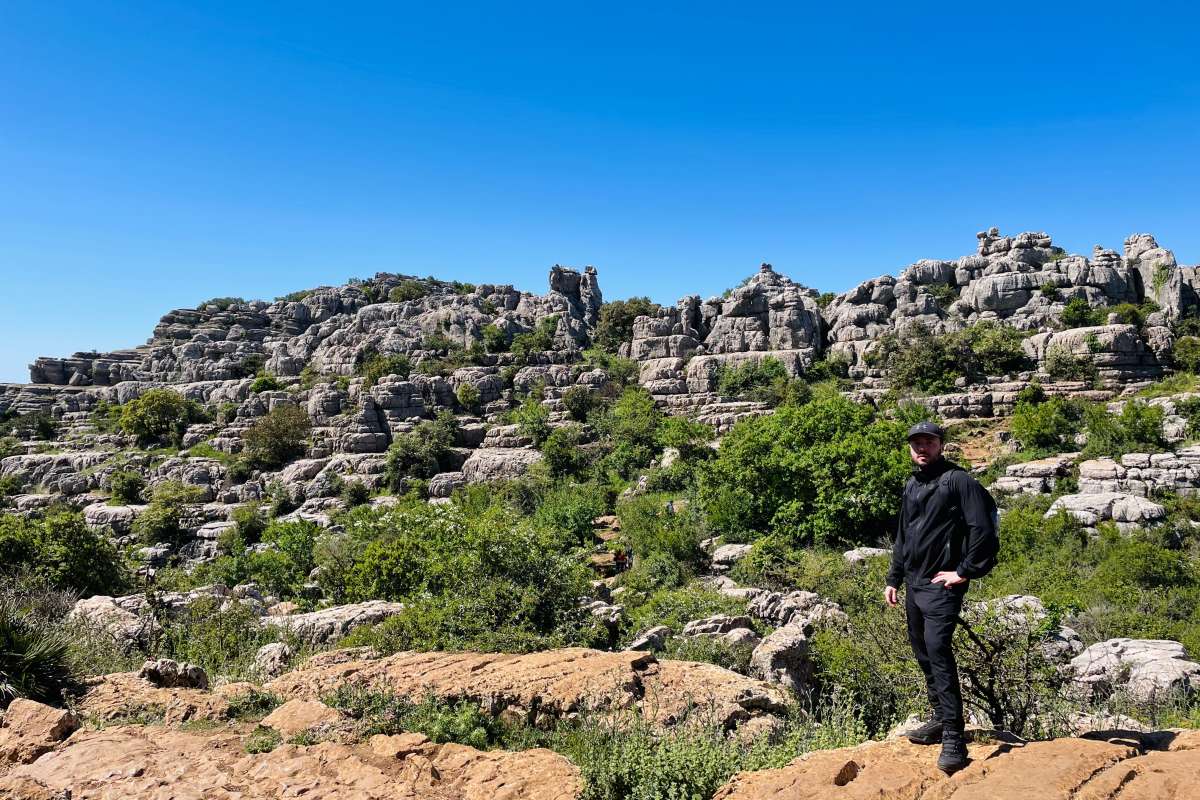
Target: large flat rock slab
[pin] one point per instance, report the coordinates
(154, 763)
(1060, 769)
(547, 685)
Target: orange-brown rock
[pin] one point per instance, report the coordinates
(1060, 769)
(124, 695)
(155, 763)
(548, 685)
(29, 729)
(297, 716)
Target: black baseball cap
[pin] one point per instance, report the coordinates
(927, 428)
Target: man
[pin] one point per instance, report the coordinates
(946, 537)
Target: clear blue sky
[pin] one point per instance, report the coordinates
(155, 155)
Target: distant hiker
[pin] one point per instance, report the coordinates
(946, 536)
(620, 560)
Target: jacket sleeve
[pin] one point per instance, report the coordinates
(983, 541)
(895, 574)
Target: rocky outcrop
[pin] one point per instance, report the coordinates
(138, 763)
(1149, 767)
(1143, 474)
(326, 626)
(28, 729)
(1128, 511)
(541, 687)
(299, 716)
(1144, 668)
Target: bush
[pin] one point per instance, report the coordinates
(422, 452)
(631, 426)
(161, 521)
(1187, 353)
(223, 641)
(1062, 365)
(34, 657)
(467, 395)
(160, 416)
(677, 607)
(532, 417)
(277, 438)
(36, 425)
(265, 383)
(579, 402)
(1137, 429)
(376, 365)
(621, 371)
(829, 471)
(406, 291)
(494, 339)
(527, 345)
(1047, 427)
(710, 650)
(561, 453)
(1078, 313)
(355, 493)
(930, 362)
(61, 551)
(222, 303)
(384, 713)
(126, 486)
(616, 321)
(766, 381)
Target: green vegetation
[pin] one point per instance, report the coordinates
(265, 382)
(494, 339)
(126, 487)
(160, 416)
(34, 658)
(828, 471)
(929, 362)
(374, 366)
(277, 438)
(526, 346)
(422, 452)
(36, 425)
(766, 380)
(161, 521)
(407, 290)
(616, 321)
(222, 303)
(1062, 365)
(59, 550)
(1137, 429)
(467, 395)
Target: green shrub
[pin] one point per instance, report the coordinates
(1078, 313)
(422, 452)
(262, 740)
(829, 471)
(265, 383)
(494, 339)
(60, 550)
(766, 381)
(621, 371)
(651, 528)
(9, 446)
(222, 303)
(223, 641)
(34, 657)
(277, 438)
(251, 521)
(355, 493)
(631, 427)
(677, 607)
(376, 365)
(616, 321)
(126, 486)
(406, 291)
(1187, 353)
(467, 395)
(532, 417)
(1047, 427)
(1062, 365)
(159, 416)
(579, 402)
(1137, 429)
(36, 425)
(161, 520)
(930, 362)
(561, 453)
(829, 368)
(525, 346)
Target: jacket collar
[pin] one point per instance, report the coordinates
(933, 471)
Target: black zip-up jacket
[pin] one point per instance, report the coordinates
(947, 524)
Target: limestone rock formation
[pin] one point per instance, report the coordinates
(1142, 667)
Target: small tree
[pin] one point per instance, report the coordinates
(578, 400)
(158, 416)
(467, 395)
(494, 339)
(162, 520)
(407, 290)
(1187, 353)
(126, 486)
(278, 437)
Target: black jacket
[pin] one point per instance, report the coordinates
(947, 524)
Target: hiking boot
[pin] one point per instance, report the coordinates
(929, 733)
(954, 752)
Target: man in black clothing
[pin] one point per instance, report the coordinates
(946, 536)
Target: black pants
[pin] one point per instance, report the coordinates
(933, 611)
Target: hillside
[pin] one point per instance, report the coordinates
(481, 541)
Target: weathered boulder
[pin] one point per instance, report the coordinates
(170, 674)
(28, 729)
(297, 716)
(651, 639)
(330, 624)
(783, 658)
(1145, 668)
(272, 659)
(799, 607)
(716, 625)
(498, 463)
(127, 628)
(725, 556)
(1124, 509)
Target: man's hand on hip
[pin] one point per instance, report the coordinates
(889, 594)
(948, 579)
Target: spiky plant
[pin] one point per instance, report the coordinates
(33, 657)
